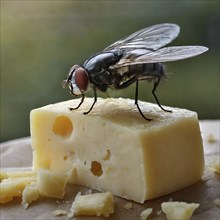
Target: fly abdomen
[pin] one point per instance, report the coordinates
(146, 70)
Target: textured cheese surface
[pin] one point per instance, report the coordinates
(13, 187)
(93, 204)
(179, 210)
(146, 213)
(114, 149)
(29, 194)
(51, 184)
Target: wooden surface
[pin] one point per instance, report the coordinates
(17, 154)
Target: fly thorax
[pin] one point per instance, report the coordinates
(123, 70)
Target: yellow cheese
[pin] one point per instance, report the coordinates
(128, 205)
(30, 185)
(13, 187)
(217, 202)
(30, 194)
(114, 149)
(93, 204)
(51, 184)
(214, 165)
(146, 213)
(59, 212)
(21, 173)
(3, 175)
(179, 210)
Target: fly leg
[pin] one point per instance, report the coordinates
(82, 99)
(95, 100)
(156, 83)
(117, 85)
(136, 102)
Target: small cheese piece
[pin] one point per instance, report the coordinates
(214, 165)
(217, 202)
(30, 194)
(179, 210)
(30, 185)
(59, 212)
(128, 205)
(20, 173)
(13, 187)
(114, 149)
(146, 213)
(51, 184)
(93, 204)
(3, 175)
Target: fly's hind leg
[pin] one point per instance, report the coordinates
(136, 103)
(156, 83)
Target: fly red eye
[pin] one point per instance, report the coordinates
(81, 79)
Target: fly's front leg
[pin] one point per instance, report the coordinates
(82, 99)
(136, 102)
(95, 100)
(156, 83)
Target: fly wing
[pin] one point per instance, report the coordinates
(165, 54)
(153, 38)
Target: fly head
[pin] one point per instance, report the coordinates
(77, 80)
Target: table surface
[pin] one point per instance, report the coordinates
(17, 155)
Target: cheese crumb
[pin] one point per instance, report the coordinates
(92, 204)
(3, 175)
(13, 187)
(29, 195)
(128, 205)
(214, 165)
(59, 212)
(146, 213)
(211, 139)
(159, 212)
(217, 202)
(179, 210)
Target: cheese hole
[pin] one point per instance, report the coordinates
(65, 157)
(63, 126)
(107, 155)
(70, 154)
(96, 168)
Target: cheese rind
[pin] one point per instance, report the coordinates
(114, 149)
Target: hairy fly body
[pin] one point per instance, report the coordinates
(130, 60)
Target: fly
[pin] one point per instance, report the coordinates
(130, 60)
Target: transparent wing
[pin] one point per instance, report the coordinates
(153, 37)
(165, 54)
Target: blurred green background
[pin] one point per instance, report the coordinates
(41, 40)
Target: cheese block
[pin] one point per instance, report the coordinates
(113, 148)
